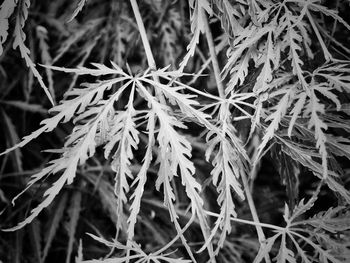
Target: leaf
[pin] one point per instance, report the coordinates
(324, 89)
(265, 248)
(265, 76)
(238, 72)
(339, 146)
(77, 10)
(284, 253)
(164, 178)
(337, 246)
(228, 18)
(247, 38)
(137, 253)
(6, 10)
(19, 42)
(46, 57)
(175, 151)
(84, 97)
(333, 220)
(324, 256)
(301, 252)
(328, 12)
(306, 38)
(199, 8)
(177, 96)
(297, 110)
(75, 154)
(141, 178)
(303, 207)
(280, 111)
(229, 163)
(50, 193)
(293, 39)
(337, 75)
(315, 108)
(304, 157)
(115, 243)
(125, 134)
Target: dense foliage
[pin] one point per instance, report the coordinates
(175, 131)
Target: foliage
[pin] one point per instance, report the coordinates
(160, 128)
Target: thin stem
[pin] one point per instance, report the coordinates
(260, 232)
(213, 56)
(243, 221)
(141, 27)
(158, 252)
(149, 55)
(252, 207)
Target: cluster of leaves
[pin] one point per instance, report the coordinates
(166, 142)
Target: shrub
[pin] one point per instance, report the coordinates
(219, 136)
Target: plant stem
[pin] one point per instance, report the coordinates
(145, 42)
(260, 232)
(213, 56)
(248, 222)
(189, 223)
(149, 55)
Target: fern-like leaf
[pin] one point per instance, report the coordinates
(141, 177)
(19, 42)
(125, 134)
(6, 10)
(199, 9)
(77, 10)
(316, 108)
(46, 57)
(280, 110)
